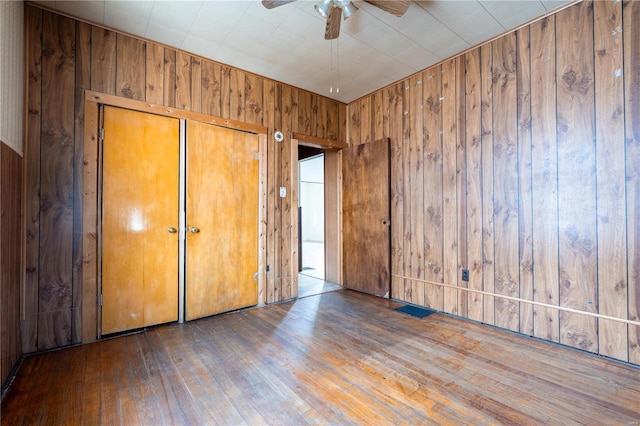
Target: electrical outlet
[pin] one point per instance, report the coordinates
(465, 275)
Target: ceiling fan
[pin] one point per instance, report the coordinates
(333, 10)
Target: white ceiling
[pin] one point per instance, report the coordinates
(287, 43)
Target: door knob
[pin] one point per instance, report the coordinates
(194, 230)
(172, 230)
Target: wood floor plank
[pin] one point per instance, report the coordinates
(337, 358)
(353, 365)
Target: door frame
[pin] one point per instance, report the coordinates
(91, 189)
(332, 204)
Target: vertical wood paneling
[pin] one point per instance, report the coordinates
(56, 191)
(539, 179)
(318, 114)
(183, 81)
(154, 74)
(378, 115)
(10, 258)
(169, 85)
(277, 216)
(269, 95)
(253, 99)
(289, 123)
(225, 98)
(103, 61)
(461, 183)
(313, 114)
(610, 159)
(473, 102)
(333, 208)
(304, 113)
(342, 120)
(416, 140)
(433, 186)
(33, 45)
(544, 166)
(83, 82)
(525, 237)
(406, 177)
(576, 175)
(321, 118)
(366, 125)
(287, 251)
(355, 124)
(395, 100)
(196, 84)
(54, 329)
(333, 120)
(449, 195)
(90, 224)
(236, 96)
(130, 67)
(488, 243)
(502, 116)
(505, 175)
(631, 31)
(116, 64)
(211, 88)
(289, 112)
(293, 217)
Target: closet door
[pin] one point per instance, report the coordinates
(139, 220)
(222, 220)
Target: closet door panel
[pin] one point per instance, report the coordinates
(140, 205)
(222, 220)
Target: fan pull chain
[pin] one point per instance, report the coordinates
(331, 88)
(338, 78)
(335, 78)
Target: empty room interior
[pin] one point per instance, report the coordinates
(320, 212)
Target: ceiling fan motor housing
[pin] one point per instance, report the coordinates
(341, 3)
(333, 10)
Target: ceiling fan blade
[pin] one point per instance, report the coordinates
(270, 4)
(333, 24)
(397, 8)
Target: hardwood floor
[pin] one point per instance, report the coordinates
(340, 358)
(311, 286)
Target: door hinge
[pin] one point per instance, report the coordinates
(100, 300)
(102, 134)
(257, 156)
(255, 276)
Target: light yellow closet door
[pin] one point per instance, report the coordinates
(140, 212)
(222, 220)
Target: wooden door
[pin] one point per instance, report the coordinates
(140, 203)
(366, 218)
(222, 220)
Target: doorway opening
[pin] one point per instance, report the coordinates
(311, 215)
(313, 278)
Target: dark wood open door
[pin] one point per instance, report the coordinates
(366, 218)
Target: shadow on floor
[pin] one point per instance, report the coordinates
(310, 286)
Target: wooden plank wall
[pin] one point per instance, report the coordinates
(519, 160)
(64, 58)
(10, 258)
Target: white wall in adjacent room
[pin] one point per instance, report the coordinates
(11, 73)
